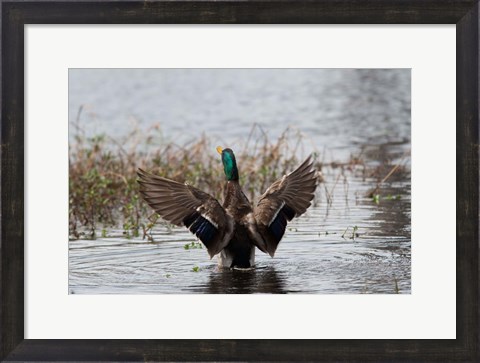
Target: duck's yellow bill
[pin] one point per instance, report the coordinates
(219, 149)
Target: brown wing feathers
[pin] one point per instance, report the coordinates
(285, 199)
(182, 204)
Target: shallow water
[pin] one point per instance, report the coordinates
(343, 112)
(320, 253)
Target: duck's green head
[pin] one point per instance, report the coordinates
(229, 163)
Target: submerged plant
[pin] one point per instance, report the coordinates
(354, 233)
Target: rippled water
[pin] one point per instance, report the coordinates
(343, 112)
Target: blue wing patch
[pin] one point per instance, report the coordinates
(202, 228)
(278, 225)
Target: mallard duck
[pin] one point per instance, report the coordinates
(234, 229)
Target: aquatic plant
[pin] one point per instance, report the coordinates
(354, 232)
(103, 192)
(192, 245)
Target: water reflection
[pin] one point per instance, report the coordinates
(262, 280)
(393, 210)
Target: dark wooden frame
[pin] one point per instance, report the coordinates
(15, 14)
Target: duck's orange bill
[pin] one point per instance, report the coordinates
(219, 149)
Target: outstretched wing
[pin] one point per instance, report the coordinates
(286, 198)
(182, 204)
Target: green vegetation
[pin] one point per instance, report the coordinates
(192, 245)
(377, 197)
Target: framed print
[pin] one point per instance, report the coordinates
(116, 104)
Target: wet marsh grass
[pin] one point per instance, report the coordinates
(103, 189)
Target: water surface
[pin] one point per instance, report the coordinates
(348, 243)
